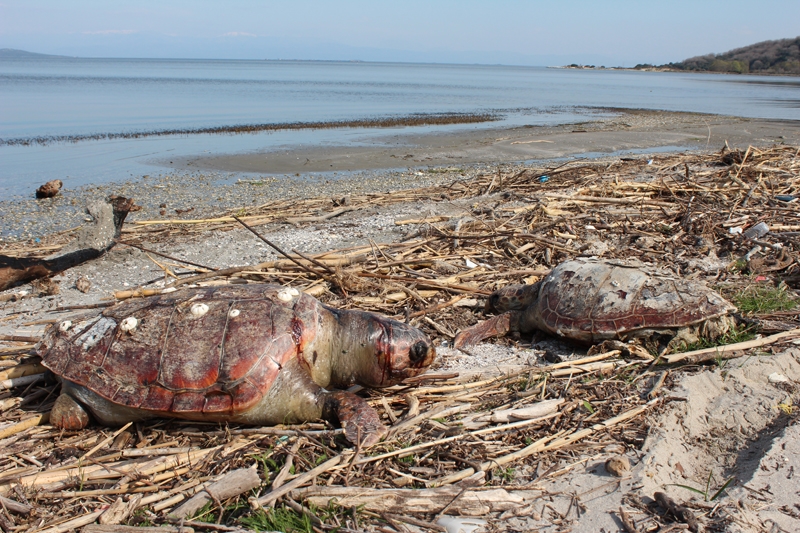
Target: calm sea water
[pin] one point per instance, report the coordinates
(64, 97)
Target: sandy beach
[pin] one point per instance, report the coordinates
(204, 186)
(709, 423)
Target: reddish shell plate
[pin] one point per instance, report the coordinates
(590, 300)
(177, 361)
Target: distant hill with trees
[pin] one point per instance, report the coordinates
(11, 53)
(768, 57)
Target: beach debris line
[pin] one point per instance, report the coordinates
(416, 119)
(592, 300)
(93, 240)
(257, 354)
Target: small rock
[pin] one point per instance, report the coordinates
(45, 286)
(49, 189)
(777, 378)
(82, 284)
(618, 466)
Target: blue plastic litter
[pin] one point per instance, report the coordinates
(785, 197)
(543, 179)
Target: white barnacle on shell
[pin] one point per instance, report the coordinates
(198, 310)
(293, 291)
(64, 326)
(128, 325)
(233, 313)
(285, 295)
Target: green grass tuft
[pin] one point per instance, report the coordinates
(278, 519)
(763, 299)
(736, 334)
(707, 495)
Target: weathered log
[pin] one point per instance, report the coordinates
(230, 485)
(412, 501)
(93, 240)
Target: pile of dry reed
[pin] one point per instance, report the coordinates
(463, 443)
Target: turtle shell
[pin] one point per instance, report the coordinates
(591, 300)
(208, 350)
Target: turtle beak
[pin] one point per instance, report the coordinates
(411, 354)
(402, 351)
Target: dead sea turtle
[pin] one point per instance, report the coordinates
(255, 354)
(591, 300)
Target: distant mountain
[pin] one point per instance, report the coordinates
(768, 57)
(11, 53)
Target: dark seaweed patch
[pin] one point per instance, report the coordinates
(438, 119)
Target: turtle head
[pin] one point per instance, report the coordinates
(381, 352)
(512, 298)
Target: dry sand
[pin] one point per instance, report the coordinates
(722, 421)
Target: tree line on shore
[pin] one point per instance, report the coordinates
(768, 57)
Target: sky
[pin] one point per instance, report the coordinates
(511, 32)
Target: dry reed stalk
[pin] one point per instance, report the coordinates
(299, 481)
(23, 370)
(24, 425)
(728, 351)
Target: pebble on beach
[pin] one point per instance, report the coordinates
(49, 189)
(618, 466)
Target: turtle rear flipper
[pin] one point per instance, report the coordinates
(494, 327)
(360, 421)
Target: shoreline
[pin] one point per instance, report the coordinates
(200, 187)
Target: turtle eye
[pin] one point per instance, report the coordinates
(418, 352)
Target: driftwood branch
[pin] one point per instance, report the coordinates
(230, 485)
(92, 241)
(413, 501)
(729, 350)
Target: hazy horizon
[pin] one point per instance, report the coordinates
(508, 32)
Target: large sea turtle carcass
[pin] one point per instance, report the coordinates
(592, 300)
(254, 354)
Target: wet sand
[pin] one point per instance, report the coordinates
(631, 130)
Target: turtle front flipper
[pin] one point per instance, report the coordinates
(68, 413)
(358, 419)
(494, 327)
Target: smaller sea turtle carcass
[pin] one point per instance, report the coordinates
(593, 300)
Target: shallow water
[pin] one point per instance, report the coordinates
(78, 97)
